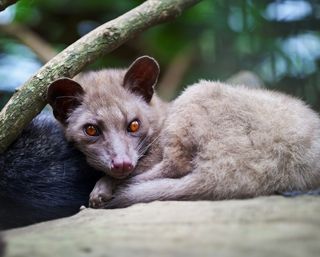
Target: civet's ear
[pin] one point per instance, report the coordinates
(64, 95)
(142, 76)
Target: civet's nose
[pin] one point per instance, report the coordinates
(121, 165)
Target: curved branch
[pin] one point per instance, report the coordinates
(29, 100)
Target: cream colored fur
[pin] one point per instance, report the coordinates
(222, 142)
(215, 141)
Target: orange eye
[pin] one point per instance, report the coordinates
(91, 130)
(134, 126)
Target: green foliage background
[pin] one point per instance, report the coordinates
(223, 37)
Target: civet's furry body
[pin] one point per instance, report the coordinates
(213, 142)
(42, 176)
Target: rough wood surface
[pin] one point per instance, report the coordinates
(29, 100)
(260, 227)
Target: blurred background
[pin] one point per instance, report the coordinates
(277, 40)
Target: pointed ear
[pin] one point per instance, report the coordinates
(142, 76)
(64, 96)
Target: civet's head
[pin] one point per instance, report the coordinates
(108, 114)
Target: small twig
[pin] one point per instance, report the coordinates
(174, 74)
(41, 48)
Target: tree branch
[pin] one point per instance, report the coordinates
(5, 3)
(29, 100)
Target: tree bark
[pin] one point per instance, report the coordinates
(29, 100)
(5, 3)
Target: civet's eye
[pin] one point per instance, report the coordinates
(91, 130)
(133, 126)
